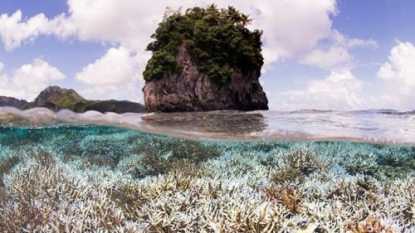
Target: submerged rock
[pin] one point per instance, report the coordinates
(194, 91)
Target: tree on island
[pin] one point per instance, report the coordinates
(217, 40)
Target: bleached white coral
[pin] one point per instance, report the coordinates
(227, 192)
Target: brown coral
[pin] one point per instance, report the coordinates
(286, 195)
(372, 224)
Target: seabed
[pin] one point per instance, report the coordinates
(107, 179)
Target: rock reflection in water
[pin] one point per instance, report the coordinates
(218, 122)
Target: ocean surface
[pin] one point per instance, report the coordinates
(220, 171)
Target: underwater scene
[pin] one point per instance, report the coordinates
(305, 172)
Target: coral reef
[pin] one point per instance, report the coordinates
(159, 155)
(364, 163)
(304, 160)
(370, 224)
(285, 195)
(287, 175)
(148, 183)
(50, 199)
(6, 164)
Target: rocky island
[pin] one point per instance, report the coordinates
(56, 98)
(205, 59)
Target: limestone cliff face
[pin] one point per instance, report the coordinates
(194, 91)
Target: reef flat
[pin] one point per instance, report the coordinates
(107, 179)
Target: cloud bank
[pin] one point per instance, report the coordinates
(28, 80)
(398, 75)
(297, 30)
(341, 90)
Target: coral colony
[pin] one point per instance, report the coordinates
(104, 179)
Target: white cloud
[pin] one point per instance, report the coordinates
(286, 24)
(14, 30)
(126, 91)
(334, 53)
(398, 75)
(39, 72)
(341, 40)
(291, 28)
(114, 68)
(329, 58)
(400, 67)
(1, 66)
(112, 76)
(27, 81)
(130, 23)
(339, 91)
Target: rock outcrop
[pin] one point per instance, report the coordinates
(194, 91)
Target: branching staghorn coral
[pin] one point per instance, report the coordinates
(6, 164)
(287, 175)
(359, 163)
(297, 164)
(177, 202)
(305, 160)
(49, 199)
(158, 155)
(400, 197)
(223, 193)
(103, 145)
(285, 195)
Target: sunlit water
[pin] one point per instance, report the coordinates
(223, 171)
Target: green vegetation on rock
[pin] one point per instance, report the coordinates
(217, 40)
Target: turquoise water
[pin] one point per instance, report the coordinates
(73, 173)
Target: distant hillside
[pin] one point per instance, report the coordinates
(10, 101)
(57, 98)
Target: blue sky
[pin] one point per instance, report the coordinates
(326, 54)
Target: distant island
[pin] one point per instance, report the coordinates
(56, 98)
